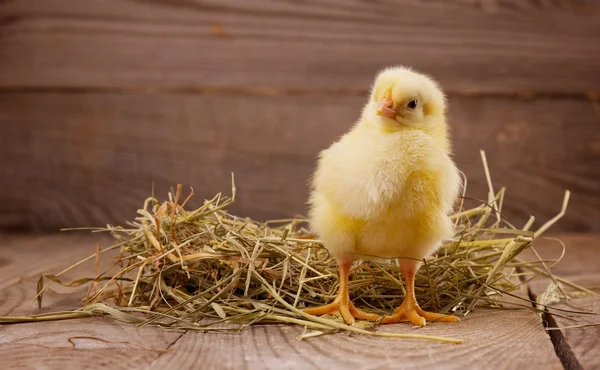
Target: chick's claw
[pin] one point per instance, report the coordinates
(342, 304)
(362, 315)
(345, 309)
(416, 316)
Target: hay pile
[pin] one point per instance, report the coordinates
(205, 269)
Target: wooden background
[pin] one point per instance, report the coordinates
(100, 98)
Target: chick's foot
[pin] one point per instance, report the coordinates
(345, 309)
(409, 311)
(342, 304)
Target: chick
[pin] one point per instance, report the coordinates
(385, 189)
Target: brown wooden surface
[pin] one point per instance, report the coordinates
(100, 98)
(473, 46)
(493, 339)
(90, 159)
(578, 347)
(46, 345)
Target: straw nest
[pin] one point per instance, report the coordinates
(205, 269)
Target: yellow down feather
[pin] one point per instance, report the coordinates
(386, 187)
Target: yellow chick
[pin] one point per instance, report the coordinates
(385, 189)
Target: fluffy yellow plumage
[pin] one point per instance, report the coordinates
(385, 189)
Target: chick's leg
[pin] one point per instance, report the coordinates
(342, 304)
(409, 310)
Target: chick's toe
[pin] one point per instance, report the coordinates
(345, 309)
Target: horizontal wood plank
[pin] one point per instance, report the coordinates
(72, 160)
(470, 46)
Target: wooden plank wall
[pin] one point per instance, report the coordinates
(100, 98)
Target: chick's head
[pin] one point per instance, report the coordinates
(402, 99)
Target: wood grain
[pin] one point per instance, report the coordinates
(46, 345)
(90, 159)
(493, 339)
(489, 47)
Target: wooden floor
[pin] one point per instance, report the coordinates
(492, 338)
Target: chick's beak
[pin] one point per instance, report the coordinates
(385, 107)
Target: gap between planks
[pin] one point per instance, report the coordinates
(592, 96)
(574, 346)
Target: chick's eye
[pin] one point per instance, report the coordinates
(412, 104)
